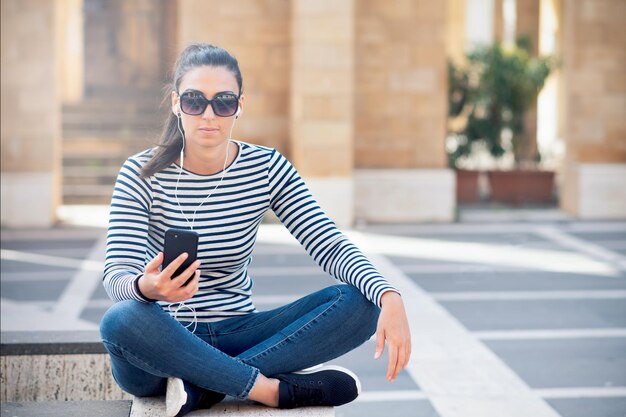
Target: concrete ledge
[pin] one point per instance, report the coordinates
(66, 409)
(51, 343)
(155, 406)
(56, 366)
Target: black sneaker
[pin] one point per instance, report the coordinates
(324, 386)
(181, 398)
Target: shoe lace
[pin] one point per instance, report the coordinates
(312, 394)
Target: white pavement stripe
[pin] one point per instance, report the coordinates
(459, 375)
(591, 249)
(20, 316)
(493, 228)
(492, 254)
(550, 334)
(529, 295)
(584, 392)
(383, 396)
(77, 293)
(26, 276)
(34, 258)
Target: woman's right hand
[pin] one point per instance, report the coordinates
(159, 285)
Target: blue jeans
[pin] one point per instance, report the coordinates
(147, 345)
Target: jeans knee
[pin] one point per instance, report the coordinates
(361, 308)
(122, 315)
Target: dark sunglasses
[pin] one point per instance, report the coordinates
(224, 104)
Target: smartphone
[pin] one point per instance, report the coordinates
(177, 242)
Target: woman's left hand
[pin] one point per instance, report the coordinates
(393, 327)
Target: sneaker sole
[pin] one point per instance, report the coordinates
(319, 368)
(175, 396)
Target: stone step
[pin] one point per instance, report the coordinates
(54, 374)
(67, 408)
(155, 406)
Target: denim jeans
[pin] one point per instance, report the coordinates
(147, 345)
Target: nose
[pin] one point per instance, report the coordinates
(208, 113)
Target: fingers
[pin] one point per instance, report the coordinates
(186, 292)
(173, 266)
(380, 344)
(153, 265)
(392, 351)
(180, 280)
(401, 362)
(407, 354)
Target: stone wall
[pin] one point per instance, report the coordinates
(257, 32)
(31, 123)
(400, 84)
(594, 67)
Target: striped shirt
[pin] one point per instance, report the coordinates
(259, 178)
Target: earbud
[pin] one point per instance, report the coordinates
(238, 112)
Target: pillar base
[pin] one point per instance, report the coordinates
(595, 191)
(335, 196)
(27, 199)
(405, 195)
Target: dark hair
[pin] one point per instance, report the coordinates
(195, 55)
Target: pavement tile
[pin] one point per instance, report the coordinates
(33, 290)
(540, 314)
(590, 407)
(565, 363)
(515, 281)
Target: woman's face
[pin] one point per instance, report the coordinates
(206, 130)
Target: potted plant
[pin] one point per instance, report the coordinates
(489, 100)
(458, 95)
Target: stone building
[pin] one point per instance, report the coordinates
(353, 91)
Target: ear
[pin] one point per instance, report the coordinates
(175, 103)
(240, 108)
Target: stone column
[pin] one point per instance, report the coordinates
(401, 112)
(527, 23)
(72, 53)
(257, 33)
(594, 67)
(498, 21)
(31, 106)
(455, 30)
(322, 99)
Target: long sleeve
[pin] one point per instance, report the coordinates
(296, 208)
(127, 233)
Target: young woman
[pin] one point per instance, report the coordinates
(201, 341)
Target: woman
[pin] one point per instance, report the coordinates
(200, 341)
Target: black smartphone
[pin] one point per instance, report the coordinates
(177, 242)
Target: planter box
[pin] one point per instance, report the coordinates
(467, 186)
(518, 187)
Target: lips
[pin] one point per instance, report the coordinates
(209, 129)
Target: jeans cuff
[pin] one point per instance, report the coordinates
(253, 378)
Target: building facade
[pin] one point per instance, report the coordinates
(354, 92)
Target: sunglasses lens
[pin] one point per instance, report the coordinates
(225, 105)
(193, 104)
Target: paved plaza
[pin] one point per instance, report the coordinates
(506, 315)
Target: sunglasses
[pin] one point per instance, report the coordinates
(224, 104)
